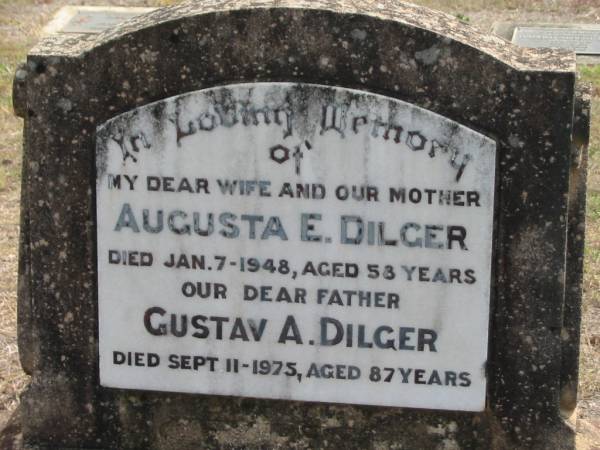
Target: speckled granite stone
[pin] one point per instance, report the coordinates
(522, 98)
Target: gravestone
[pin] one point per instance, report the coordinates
(585, 41)
(299, 225)
(90, 19)
(582, 38)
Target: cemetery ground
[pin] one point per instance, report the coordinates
(20, 27)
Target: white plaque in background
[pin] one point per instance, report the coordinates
(583, 39)
(342, 240)
(91, 19)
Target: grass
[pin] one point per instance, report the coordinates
(589, 365)
(593, 208)
(591, 74)
(462, 17)
(13, 48)
(20, 21)
(590, 333)
(9, 126)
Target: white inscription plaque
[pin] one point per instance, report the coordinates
(295, 241)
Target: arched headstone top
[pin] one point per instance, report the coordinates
(268, 12)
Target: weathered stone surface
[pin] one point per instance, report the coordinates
(521, 98)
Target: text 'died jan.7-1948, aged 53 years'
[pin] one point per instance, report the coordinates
(295, 241)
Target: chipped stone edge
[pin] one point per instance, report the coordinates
(518, 58)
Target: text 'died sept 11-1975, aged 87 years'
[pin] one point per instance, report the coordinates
(295, 241)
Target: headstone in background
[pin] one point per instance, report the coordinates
(583, 39)
(240, 227)
(90, 19)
